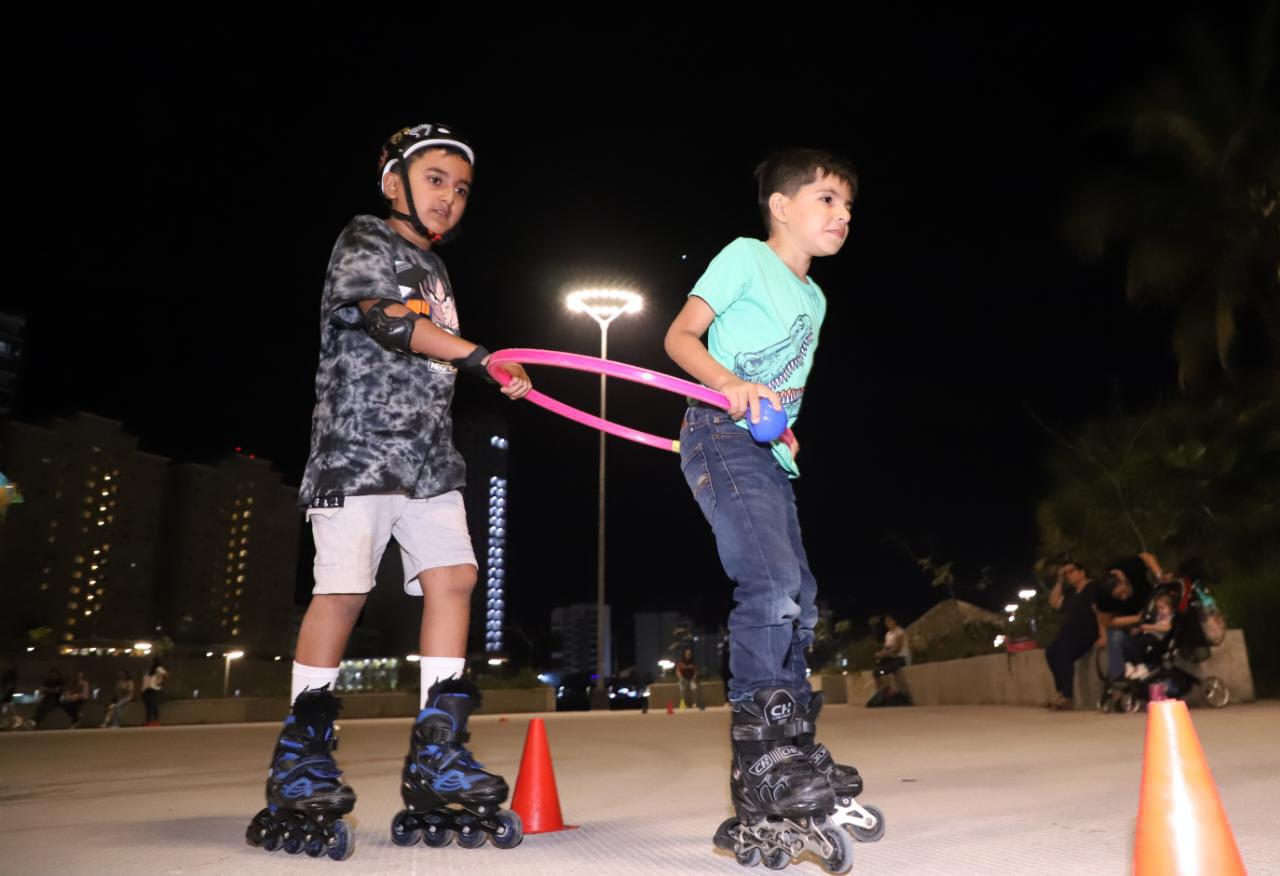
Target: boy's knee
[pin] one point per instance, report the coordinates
(346, 604)
(450, 581)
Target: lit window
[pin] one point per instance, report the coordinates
(72, 606)
(102, 523)
(90, 596)
(79, 559)
(71, 622)
(244, 553)
(239, 590)
(246, 514)
(77, 574)
(239, 579)
(74, 590)
(44, 585)
(67, 637)
(250, 500)
(235, 632)
(235, 618)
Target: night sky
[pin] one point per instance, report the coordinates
(176, 203)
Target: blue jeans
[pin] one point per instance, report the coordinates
(1115, 653)
(751, 506)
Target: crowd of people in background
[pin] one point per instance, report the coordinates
(71, 697)
(1129, 610)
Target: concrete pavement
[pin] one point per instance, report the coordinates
(965, 789)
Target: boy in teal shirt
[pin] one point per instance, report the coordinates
(762, 313)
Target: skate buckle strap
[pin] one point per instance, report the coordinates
(768, 732)
(442, 734)
(776, 757)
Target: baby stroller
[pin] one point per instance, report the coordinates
(1197, 624)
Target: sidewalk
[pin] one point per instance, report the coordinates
(965, 789)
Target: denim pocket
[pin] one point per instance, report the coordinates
(693, 462)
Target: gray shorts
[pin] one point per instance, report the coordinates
(432, 533)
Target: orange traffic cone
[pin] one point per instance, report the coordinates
(1182, 827)
(536, 798)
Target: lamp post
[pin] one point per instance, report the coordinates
(604, 306)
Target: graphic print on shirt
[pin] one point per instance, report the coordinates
(774, 365)
(425, 293)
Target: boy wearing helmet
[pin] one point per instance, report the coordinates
(382, 465)
(762, 312)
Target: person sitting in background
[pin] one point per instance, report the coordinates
(124, 694)
(1121, 599)
(1073, 594)
(895, 654)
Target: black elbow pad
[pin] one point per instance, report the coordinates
(392, 332)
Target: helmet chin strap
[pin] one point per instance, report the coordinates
(412, 216)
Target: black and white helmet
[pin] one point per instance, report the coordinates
(407, 141)
(395, 155)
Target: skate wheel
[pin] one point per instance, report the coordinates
(405, 830)
(315, 847)
(868, 834)
(510, 829)
(777, 859)
(342, 842)
(1130, 703)
(292, 844)
(841, 858)
(1216, 692)
(470, 834)
(723, 837)
(748, 858)
(436, 832)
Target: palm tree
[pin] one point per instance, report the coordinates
(1199, 206)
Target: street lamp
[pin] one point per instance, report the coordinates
(604, 306)
(228, 656)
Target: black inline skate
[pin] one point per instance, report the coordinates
(864, 823)
(306, 797)
(445, 791)
(782, 802)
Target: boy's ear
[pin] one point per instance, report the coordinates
(391, 185)
(778, 204)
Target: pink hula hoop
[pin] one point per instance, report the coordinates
(609, 368)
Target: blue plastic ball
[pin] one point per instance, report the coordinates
(771, 426)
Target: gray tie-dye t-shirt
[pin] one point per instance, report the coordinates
(381, 422)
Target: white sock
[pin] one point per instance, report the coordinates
(435, 668)
(313, 677)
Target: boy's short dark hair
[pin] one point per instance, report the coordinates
(789, 170)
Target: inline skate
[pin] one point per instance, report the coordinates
(445, 792)
(864, 823)
(306, 797)
(782, 803)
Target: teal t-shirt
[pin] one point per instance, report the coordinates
(766, 325)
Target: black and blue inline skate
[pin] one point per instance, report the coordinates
(864, 823)
(306, 797)
(445, 792)
(782, 802)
